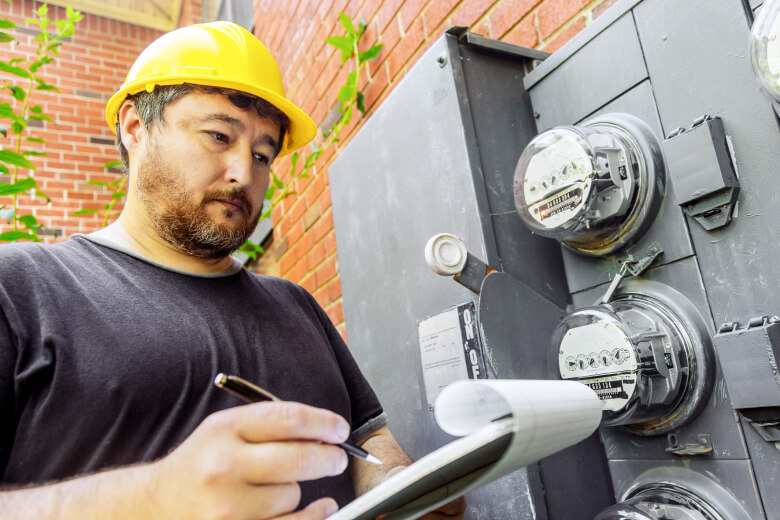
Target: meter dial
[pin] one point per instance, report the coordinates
(646, 354)
(765, 49)
(596, 187)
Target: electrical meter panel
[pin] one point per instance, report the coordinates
(610, 211)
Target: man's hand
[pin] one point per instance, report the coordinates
(241, 463)
(246, 462)
(382, 444)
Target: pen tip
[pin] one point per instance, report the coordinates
(220, 379)
(373, 460)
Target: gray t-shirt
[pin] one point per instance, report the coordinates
(107, 359)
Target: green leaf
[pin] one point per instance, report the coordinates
(278, 182)
(16, 71)
(303, 175)
(34, 66)
(117, 194)
(3, 169)
(361, 102)
(16, 92)
(361, 29)
(42, 85)
(35, 140)
(36, 153)
(84, 212)
(347, 116)
(370, 54)
(11, 157)
(18, 126)
(61, 24)
(6, 112)
(352, 78)
(18, 187)
(36, 109)
(112, 164)
(4, 132)
(269, 193)
(343, 43)
(5, 37)
(266, 213)
(42, 195)
(347, 23)
(13, 236)
(5, 23)
(98, 183)
(40, 117)
(29, 221)
(294, 160)
(346, 93)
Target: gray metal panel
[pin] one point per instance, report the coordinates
(669, 229)
(389, 198)
(718, 419)
(608, 66)
(500, 110)
(765, 458)
(703, 68)
(735, 475)
(580, 40)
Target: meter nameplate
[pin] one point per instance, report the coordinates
(615, 392)
(560, 207)
(556, 178)
(595, 350)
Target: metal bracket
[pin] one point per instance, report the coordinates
(629, 266)
(703, 446)
(703, 170)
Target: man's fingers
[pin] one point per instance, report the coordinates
(317, 510)
(286, 420)
(294, 461)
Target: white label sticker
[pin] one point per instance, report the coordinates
(615, 392)
(450, 350)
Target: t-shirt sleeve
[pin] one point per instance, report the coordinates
(7, 398)
(367, 413)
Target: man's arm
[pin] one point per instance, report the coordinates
(383, 445)
(240, 463)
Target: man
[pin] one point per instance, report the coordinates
(109, 342)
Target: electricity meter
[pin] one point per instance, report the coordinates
(662, 502)
(646, 354)
(765, 49)
(595, 187)
(675, 493)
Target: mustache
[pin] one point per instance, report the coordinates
(235, 194)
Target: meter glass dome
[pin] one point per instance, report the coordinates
(595, 187)
(765, 48)
(553, 180)
(642, 354)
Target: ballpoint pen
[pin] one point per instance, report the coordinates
(253, 394)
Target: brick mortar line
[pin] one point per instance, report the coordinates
(586, 13)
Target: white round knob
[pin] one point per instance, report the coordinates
(445, 254)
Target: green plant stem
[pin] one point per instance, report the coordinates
(15, 174)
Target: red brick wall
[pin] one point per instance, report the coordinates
(92, 65)
(304, 244)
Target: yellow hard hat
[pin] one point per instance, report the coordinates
(217, 54)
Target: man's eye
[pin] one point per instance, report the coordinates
(263, 159)
(219, 137)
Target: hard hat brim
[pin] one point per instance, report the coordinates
(302, 128)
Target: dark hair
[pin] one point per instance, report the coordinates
(150, 106)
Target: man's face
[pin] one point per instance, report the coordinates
(203, 172)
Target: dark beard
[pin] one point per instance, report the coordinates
(186, 225)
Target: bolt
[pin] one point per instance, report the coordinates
(442, 61)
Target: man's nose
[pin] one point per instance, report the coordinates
(239, 167)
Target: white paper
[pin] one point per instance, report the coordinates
(507, 424)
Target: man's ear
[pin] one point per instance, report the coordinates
(131, 126)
